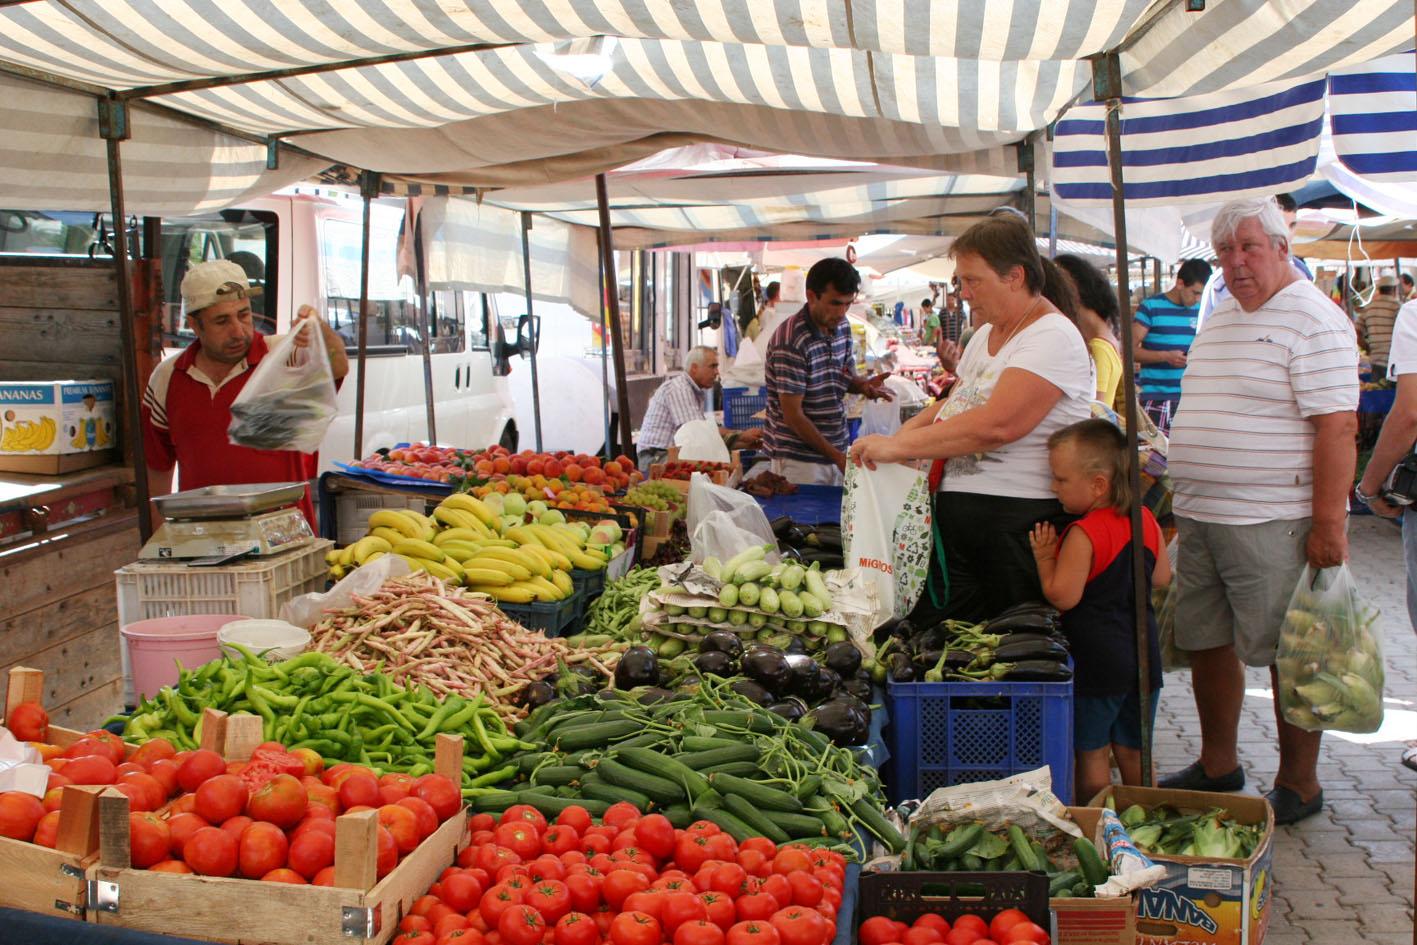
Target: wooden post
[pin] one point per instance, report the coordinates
(612, 284)
(114, 851)
(26, 685)
(357, 850)
(1107, 87)
(78, 820)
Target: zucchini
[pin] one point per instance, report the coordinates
(697, 743)
(738, 751)
(808, 786)
(660, 790)
(749, 594)
(1094, 870)
(551, 805)
(1026, 857)
(760, 722)
(1062, 881)
(679, 815)
(598, 734)
(726, 822)
(742, 769)
(770, 600)
(610, 793)
(493, 802)
(754, 818)
(971, 863)
(557, 775)
(832, 821)
(653, 763)
(814, 738)
(760, 795)
(799, 826)
(870, 815)
(528, 762)
(728, 595)
(643, 740)
(960, 840)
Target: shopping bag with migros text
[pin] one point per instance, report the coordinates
(886, 518)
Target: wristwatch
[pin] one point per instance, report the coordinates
(1365, 499)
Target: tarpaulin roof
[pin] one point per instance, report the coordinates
(502, 92)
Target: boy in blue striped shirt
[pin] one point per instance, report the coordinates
(1165, 328)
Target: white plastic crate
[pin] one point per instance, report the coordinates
(256, 588)
(352, 511)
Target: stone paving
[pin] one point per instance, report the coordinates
(1346, 874)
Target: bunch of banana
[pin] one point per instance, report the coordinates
(24, 436)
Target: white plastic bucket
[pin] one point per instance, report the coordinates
(155, 645)
(278, 639)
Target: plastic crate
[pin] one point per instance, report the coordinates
(740, 404)
(948, 733)
(550, 617)
(352, 511)
(905, 897)
(255, 588)
(589, 585)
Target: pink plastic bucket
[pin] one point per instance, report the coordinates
(155, 646)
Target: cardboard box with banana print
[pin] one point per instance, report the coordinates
(54, 419)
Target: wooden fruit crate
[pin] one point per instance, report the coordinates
(358, 908)
(36, 878)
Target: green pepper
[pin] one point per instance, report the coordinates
(505, 773)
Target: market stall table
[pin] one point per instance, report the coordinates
(31, 928)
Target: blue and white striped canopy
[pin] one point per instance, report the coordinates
(502, 93)
(1373, 119)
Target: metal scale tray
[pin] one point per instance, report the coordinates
(241, 501)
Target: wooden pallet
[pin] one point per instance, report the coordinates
(359, 908)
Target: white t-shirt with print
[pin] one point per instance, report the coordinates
(1051, 348)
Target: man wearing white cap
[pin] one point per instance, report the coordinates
(187, 405)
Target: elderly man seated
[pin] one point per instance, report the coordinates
(679, 400)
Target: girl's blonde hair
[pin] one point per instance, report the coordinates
(1101, 448)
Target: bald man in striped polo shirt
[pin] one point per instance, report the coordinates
(1262, 454)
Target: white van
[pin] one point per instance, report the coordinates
(301, 249)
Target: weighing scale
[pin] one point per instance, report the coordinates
(218, 524)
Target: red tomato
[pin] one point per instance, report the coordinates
(698, 933)
(211, 851)
(312, 851)
(720, 909)
(753, 933)
(415, 938)
(722, 847)
(221, 798)
(595, 843)
(461, 937)
(526, 814)
(691, 851)
(521, 925)
(481, 822)
(149, 839)
(790, 860)
(959, 935)
(449, 923)
(634, 928)
(492, 858)
(585, 890)
(780, 888)
(422, 905)
(758, 906)
(560, 839)
(933, 920)
(754, 862)
(655, 835)
(1026, 932)
(496, 901)
(798, 925)
(575, 817)
(877, 930)
(551, 898)
(923, 935)
(620, 884)
(728, 879)
(546, 866)
(462, 891)
(705, 827)
(519, 836)
(999, 926)
(679, 907)
(262, 848)
(575, 928)
(620, 815)
(29, 722)
(806, 889)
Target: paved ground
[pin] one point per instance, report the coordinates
(1347, 874)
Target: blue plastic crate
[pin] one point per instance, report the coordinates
(550, 617)
(740, 404)
(948, 733)
(589, 585)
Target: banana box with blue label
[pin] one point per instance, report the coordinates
(56, 426)
(1208, 898)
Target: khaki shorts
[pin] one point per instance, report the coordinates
(1234, 583)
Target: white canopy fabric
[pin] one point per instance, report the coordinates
(519, 91)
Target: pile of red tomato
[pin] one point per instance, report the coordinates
(1006, 928)
(632, 879)
(269, 818)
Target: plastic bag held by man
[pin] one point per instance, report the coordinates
(289, 402)
(1329, 662)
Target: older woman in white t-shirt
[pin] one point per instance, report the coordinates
(1025, 374)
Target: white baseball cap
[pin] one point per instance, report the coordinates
(213, 281)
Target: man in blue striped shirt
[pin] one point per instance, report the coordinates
(809, 371)
(1165, 328)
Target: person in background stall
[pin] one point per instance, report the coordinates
(929, 323)
(1164, 328)
(1409, 291)
(1262, 455)
(679, 400)
(1097, 320)
(953, 320)
(186, 407)
(1375, 321)
(761, 316)
(1089, 578)
(809, 370)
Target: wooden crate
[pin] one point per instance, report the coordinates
(360, 908)
(36, 878)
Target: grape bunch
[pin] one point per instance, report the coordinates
(655, 495)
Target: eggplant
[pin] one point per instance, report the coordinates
(537, 694)
(900, 667)
(794, 646)
(1028, 607)
(639, 666)
(753, 691)
(768, 666)
(654, 695)
(827, 684)
(1038, 671)
(844, 658)
(721, 641)
(860, 688)
(791, 708)
(1025, 623)
(716, 663)
(841, 722)
(804, 671)
(1033, 648)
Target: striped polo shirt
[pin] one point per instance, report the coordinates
(1241, 449)
(1169, 327)
(802, 360)
(1377, 320)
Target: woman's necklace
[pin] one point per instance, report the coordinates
(1019, 324)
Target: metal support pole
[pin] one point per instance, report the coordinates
(1052, 227)
(426, 332)
(114, 129)
(1107, 86)
(531, 325)
(1156, 273)
(604, 343)
(1026, 168)
(607, 252)
(368, 187)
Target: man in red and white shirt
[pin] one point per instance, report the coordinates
(187, 405)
